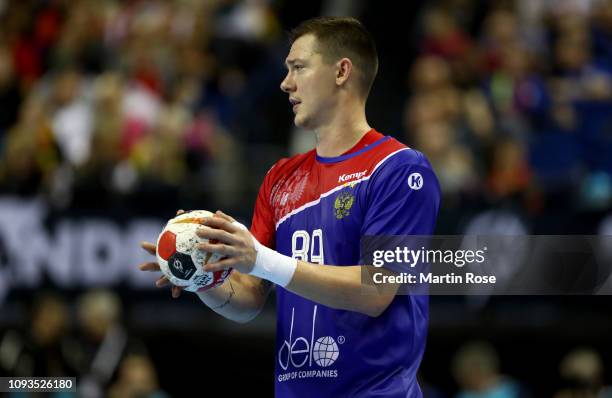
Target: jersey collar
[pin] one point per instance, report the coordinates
(370, 140)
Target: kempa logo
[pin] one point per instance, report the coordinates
(415, 181)
(353, 176)
(323, 350)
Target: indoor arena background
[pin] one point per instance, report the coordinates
(114, 114)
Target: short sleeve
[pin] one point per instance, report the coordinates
(402, 199)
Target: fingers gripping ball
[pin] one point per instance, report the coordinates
(179, 258)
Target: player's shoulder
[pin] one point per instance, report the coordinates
(287, 165)
(394, 154)
(401, 163)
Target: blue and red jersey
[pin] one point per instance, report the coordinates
(316, 209)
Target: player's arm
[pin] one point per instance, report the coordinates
(240, 298)
(394, 208)
(341, 287)
(337, 287)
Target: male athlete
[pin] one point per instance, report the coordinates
(312, 210)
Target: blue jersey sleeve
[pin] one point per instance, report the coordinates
(403, 197)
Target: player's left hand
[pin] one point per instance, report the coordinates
(154, 266)
(231, 241)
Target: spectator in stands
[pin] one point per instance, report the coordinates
(582, 374)
(45, 348)
(137, 379)
(476, 370)
(102, 340)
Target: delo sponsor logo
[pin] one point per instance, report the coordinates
(299, 351)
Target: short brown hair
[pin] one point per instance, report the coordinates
(343, 37)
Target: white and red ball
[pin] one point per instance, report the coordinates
(178, 255)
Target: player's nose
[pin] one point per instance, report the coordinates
(287, 85)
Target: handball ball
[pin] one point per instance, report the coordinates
(178, 255)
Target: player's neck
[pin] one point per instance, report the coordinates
(343, 133)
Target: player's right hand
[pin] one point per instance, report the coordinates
(154, 266)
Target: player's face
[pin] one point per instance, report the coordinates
(310, 83)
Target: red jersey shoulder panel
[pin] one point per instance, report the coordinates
(267, 210)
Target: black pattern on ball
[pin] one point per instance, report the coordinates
(181, 266)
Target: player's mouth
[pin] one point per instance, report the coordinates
(295, 103)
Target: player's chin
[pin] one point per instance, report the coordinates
(300, 121)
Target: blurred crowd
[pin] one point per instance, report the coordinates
(90, 340)
(102, 99)
(512, 104)
(159, 103)
(477, 369)
(107, 100)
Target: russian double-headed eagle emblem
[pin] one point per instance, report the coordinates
(342, 205)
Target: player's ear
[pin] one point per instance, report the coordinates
(344, 68)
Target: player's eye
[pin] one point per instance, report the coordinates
(298, 67)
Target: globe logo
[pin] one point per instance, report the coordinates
(325, 351)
